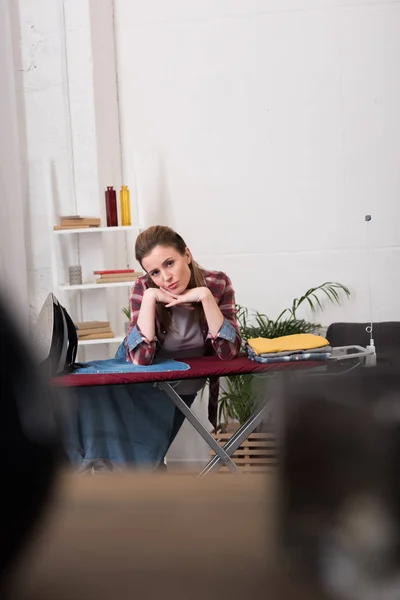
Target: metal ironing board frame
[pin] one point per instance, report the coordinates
(223, 454)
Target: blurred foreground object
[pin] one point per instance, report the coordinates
(28, 442)
(124, 536)
(339, 482)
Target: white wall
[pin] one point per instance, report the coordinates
(43, 116)
(264, 131)
(13, 275)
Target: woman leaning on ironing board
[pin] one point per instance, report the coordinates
(179, 310)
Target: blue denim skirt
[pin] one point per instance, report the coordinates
(119, 425)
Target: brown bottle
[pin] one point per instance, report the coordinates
(111, 207)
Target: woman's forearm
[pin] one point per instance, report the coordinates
(146, 318)
(214, 316)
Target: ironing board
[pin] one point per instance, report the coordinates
(210, 366)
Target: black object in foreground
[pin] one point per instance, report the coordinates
(340, 491)
(29, 445)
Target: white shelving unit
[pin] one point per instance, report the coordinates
(114, 340)
(94, 230)
(94, 286)
(64, 288)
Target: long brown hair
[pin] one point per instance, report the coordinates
(160, 235)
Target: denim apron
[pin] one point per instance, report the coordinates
(110, 426)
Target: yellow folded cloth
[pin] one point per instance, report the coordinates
(297, 341)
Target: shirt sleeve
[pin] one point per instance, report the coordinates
(228, 341)
(139, 350)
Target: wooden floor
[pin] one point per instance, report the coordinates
(125, 536)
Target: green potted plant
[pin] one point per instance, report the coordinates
(240, 393)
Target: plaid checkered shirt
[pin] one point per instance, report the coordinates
(226, 344)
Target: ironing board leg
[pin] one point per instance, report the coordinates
(206, 435)
(237, 439)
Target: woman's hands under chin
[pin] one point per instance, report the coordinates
(188, 297)
(160, 295)
(164, 296)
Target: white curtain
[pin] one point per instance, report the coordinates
(13, 272)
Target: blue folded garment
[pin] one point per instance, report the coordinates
(116, 365)
(299, 356)
(292, 357)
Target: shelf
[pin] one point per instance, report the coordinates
(114, 340)
(95, 229)
(95, 286)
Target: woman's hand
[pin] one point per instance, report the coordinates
(160, 295)
(189, 297)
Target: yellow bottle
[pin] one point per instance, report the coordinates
(125, 205)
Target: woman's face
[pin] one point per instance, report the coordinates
(168, 268)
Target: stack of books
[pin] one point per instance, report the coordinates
(94, 330)
(78, 222)
(117, 275)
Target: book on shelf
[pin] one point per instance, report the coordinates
(85, 332)
(88, 222)
(80, 218)
(119, 275)
(92, 324)
(61, 227)
(77, 222)
(115, 279)
(94, 330)
(97, 336)
(114, 271)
